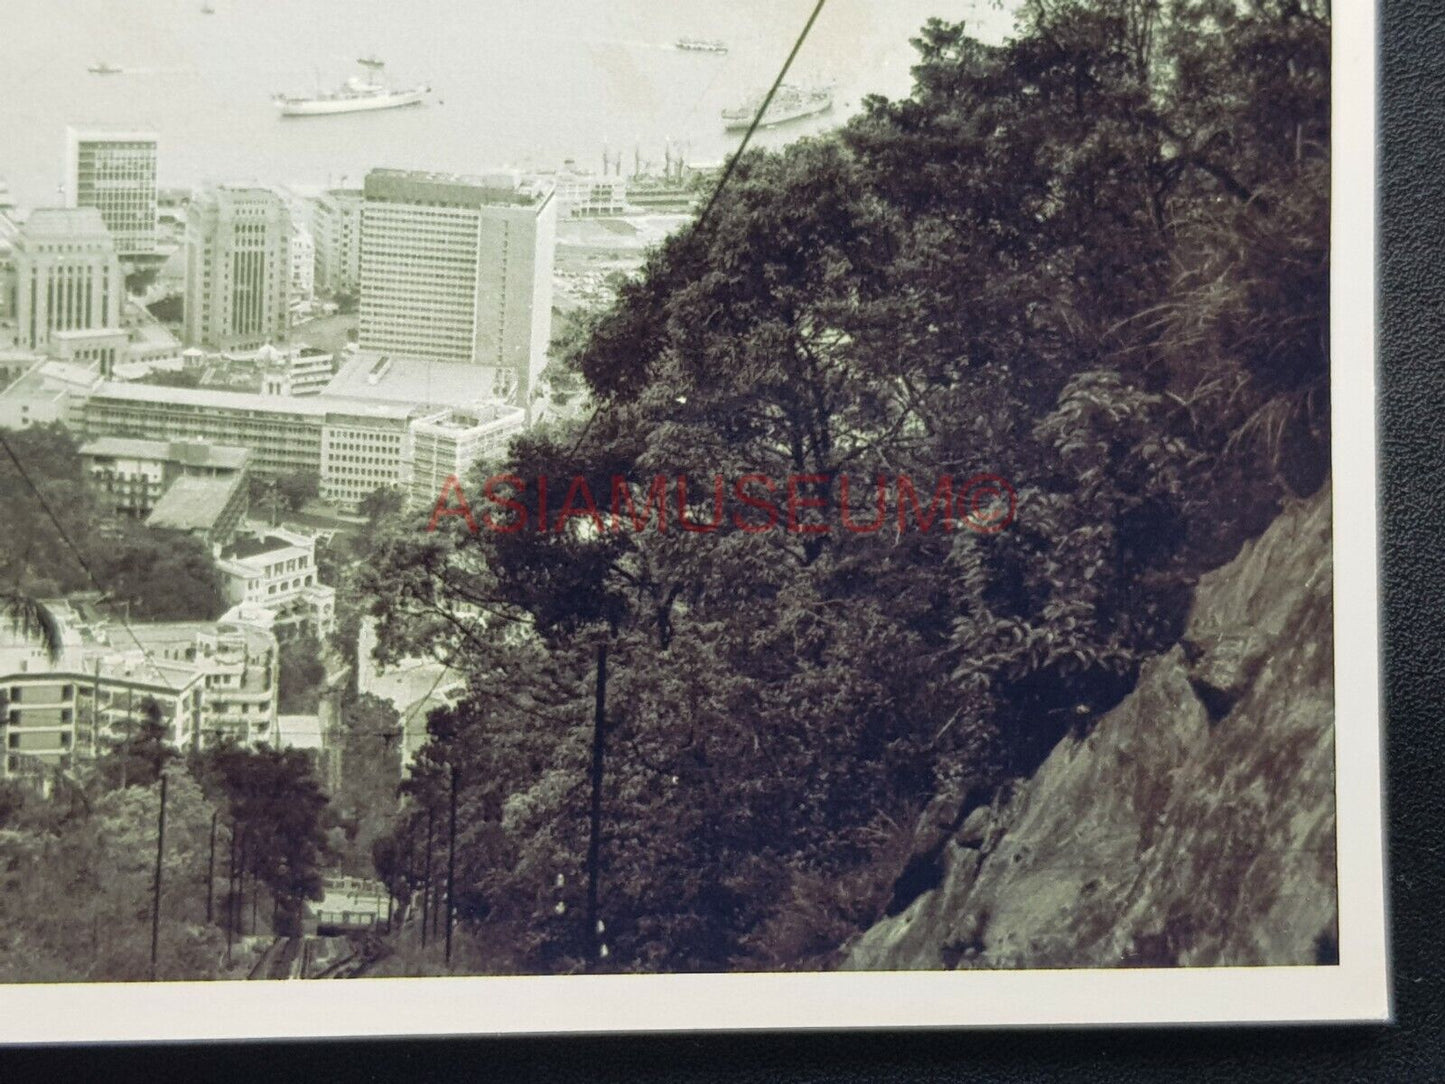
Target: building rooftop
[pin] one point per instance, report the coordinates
(52, 223)
(193, 503)
(192, 453)
(500, 189)
(109, 133)
(389, 378)
(314, 406)
(253, 546)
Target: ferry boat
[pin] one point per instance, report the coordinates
(699, 45)
(790, 103)
(358, 94)
(100, 67)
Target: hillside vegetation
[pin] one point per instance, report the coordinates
(1093, 262)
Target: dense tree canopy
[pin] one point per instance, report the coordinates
(1092, 262)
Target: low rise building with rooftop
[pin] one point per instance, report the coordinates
(135, 474)
(275, 570)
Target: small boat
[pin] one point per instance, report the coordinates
(207, 9)
(100, 67)
(699, 45)
(374, 62)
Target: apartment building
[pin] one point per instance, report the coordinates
(239, 666)
(114, 171)
(238, 268)
(211, 509)
(459, 269)
(204, 681)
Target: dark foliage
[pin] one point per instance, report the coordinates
(1092, 261)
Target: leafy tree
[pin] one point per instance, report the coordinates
(164, 576)
(371, 741)
(138, 750)
(1093, 261)
(381, 503)
(302, 674)
(76, 882)
(276, 808)
(297, 488)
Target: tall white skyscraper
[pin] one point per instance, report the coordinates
(459, 269)
(114, 171)
(238, 268)
(67, 275)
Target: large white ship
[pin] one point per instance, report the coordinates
(790, 103)
(357, 94)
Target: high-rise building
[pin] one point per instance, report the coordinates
(67, 275)
(459, 269)
(114, 171)
(336, 230)
(238, 268)
(303, 267)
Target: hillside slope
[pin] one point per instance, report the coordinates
(1193, 825)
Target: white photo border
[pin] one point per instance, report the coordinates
(1355, 990)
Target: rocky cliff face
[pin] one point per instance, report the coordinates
(1194, 825)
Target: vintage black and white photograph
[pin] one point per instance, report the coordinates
(579, 489)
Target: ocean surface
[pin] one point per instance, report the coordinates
(524, 83)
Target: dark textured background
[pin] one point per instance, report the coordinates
(1412, 402)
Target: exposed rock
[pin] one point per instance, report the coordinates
(1194, 825)
(975, 827)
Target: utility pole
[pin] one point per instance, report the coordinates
(594, 841)
(231, 896)
(156, 893)
(211, 870)
(451, 861)
(426, 880)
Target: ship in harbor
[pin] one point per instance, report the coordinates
(790, 103)
(358, 94)
(700, 45)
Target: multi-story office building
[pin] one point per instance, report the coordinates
(282, 434)
(449, 443)
(588, 195)
(134, 474)
(67, 275)
(114, 171)
(354, 445)
(238, 268)
(9, 233)
(336, 230)
(363, 450)
(459, 269)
